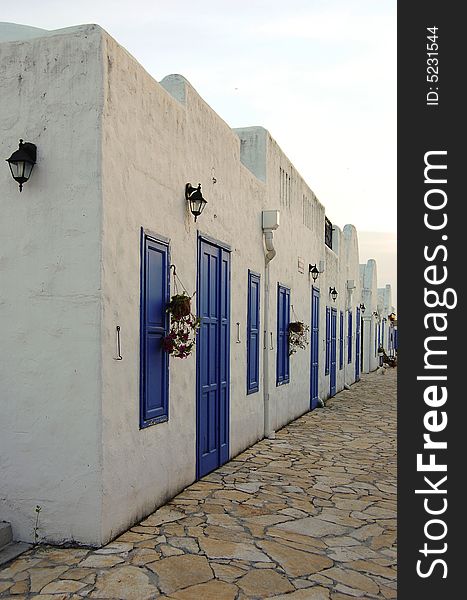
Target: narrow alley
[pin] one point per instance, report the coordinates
(310, 515)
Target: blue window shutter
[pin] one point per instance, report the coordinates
(154, 378)
(341, 340)
(286, 337)
(328, 340)
(283, 320)
(349, 338)
(253, 334)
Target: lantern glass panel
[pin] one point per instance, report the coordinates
(197, 206)
(27, 169)
(17, 168)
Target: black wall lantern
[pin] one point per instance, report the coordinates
(313, 270)
(362, 308)
(195, 198)
(22, 162)
(333, 292)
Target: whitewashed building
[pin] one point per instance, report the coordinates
(99, 425)
(387, 326)
(370, 317)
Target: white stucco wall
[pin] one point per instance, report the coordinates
(50, 450)
(173, 137)
(369, 282)
(154, 143)
(385, 308)
(351, 284)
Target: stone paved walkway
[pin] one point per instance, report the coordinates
(310, 515)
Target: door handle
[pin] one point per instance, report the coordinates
(119, 354)
(272, 345)
(238, 341)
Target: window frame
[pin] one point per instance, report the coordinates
(251, 387)
(283, 378)
(163, 243)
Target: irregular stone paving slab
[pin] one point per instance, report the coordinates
(341, 541)
(310, 515)
(5, 585)
(315, 593)
(17, 566)
(213, 590)
(227, 573)
(78, 573)
(313, 526)
(63, 586)
(143, 556)
(181, 571)
(375, 569)
(170, 551)
(41, 577)
(114, 548)
(289, 537)
(295, 562)
(352, 579)
(124, 583)
(67, 556)
(184, 543)
(264, 583)
(163, 515)
(365, 532)
(133, 536)
(20, 587)
(220, 549)
(101, 561)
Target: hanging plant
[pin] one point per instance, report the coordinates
(181, 339)
(179, 306)
(297, 336)
(296, 327)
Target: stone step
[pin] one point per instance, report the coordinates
(8, 548)
(12, 550)
(6, 535)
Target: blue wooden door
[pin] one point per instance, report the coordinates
(314, 348)
(213, 369)
(333, 365)
(357, 346)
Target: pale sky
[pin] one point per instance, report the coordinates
(320, 75)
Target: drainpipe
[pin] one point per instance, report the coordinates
(349, 287)
(270, 223)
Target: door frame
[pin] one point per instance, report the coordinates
(333, 352)
(358, 343)
(315, 291)
(220, 246)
